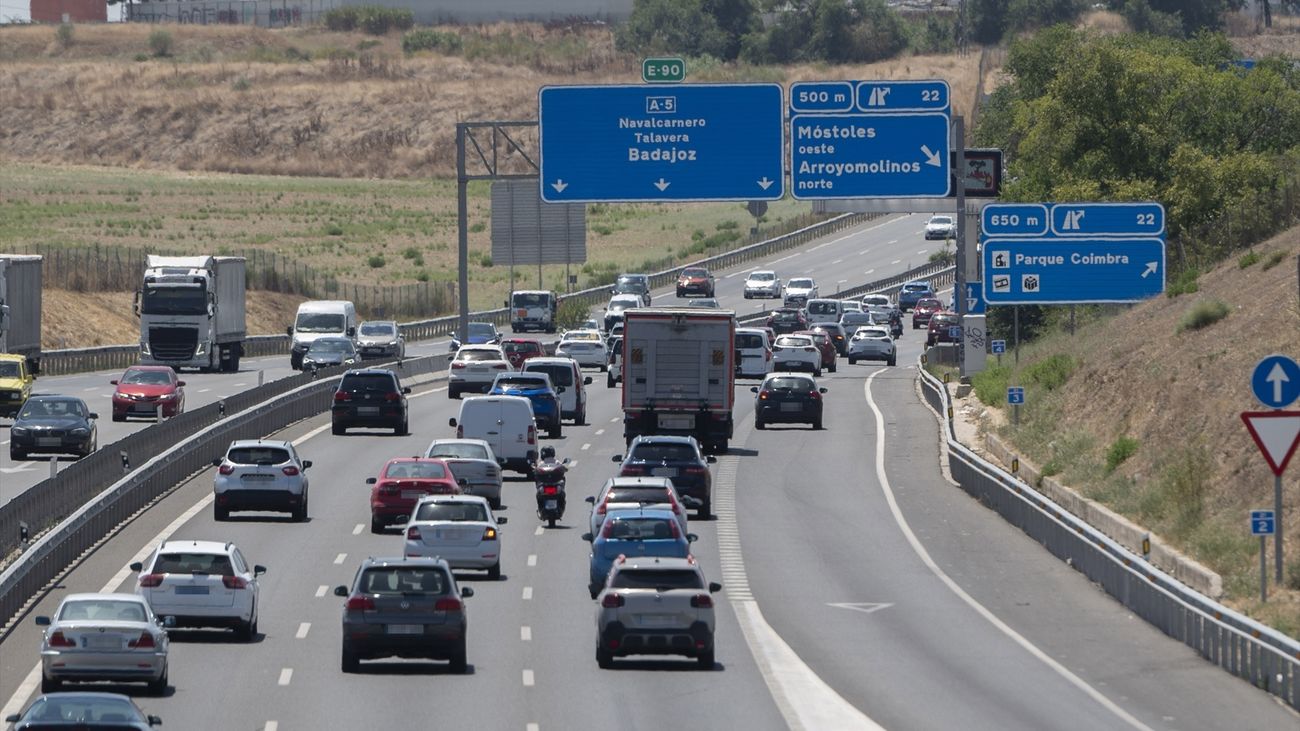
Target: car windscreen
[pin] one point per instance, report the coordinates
(517, 347)
(856, 318)
(749, 340)
(451, 511)
(8, 369)
(561, 375)
(47, 407)
(147, 378)
(264, 456)
(762, 276)
(664, 452)
(917, 287)
(619, 305)
(789, 383)
(482, 329)
(378, 328)
(416, 471)
(319, 322)
(372, 382)
(786, 316)
(528, 300)
(944, 220)
(695, 273)
(102, 609)
(477, 355)
(801, 283)
(637, 495)
(462, 451)
(641, 529)
(188, 299)
(58, 710)
(519, 382)
(330, 345)
(193, 563)
(823, 308)
(801, 341)
(657, 579)
(940, 320)
(928, 302)
(403, 580)
(869, 332)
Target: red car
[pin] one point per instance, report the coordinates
(401, 483)
(518, 350)
(147, 390)
(941, 328)
(786, 320)
(695, 281)
(824, 343)
(924, 309)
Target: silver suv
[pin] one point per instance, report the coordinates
(260, 474)
(404, 607)
(655, 606)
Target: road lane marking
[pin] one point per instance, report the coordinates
(528, 678)
(357, 530)
(532, 559)
(586, 447)
(303, 629)
(869, 271)
(286, 675)
(271, 726)
(321, 591)
(598, 433)
(891, 241)
(92, 388)
(339, 559)
(842, 281)
(427, 393)
(613, 420)
(921, 252)
(980, 609)
(539, 531)
(204, 390)
(528, 594)
(526, 633)
(837, 261)
(778, 261)
(532, 727)
(237, 385)
(896, 261)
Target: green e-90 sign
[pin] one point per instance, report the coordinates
(663, 70)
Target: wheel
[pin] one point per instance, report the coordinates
(604, 368)
(550, 522)
(759, 425)
(495, 503)
(582, 417)
(51, 685)
(554, 433)
(159, 686)
(705, 660)
(833, 366)
(747, 295)
(893, 359)
(853, 361)
(119, 417)
(494, 571)
(604, 658)
(244, 631)
(817, 424)
(377, 525)
(17, 456)
(916, 326)
(609, 379)
(350, 662)
(300, 512)
(403, 429)
(457, 662)
(219, 513)
(337, 429)
(452, 393)
(817, 372)
(705, 511)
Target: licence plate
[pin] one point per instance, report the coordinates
(478, 369)
(792, 406)
(365, 410)
(405, 629)
(257, 477)
(551, 504)
(670, 421)
(48, 441)
(191, 590)
(101, 642)
(412, 494)
(654, 620)
(664, 472)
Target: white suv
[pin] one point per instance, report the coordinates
(474, 368)
(260, 474)
(201, 584)
(655, 606)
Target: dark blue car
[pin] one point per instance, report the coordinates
(536, 387)
(480, 333)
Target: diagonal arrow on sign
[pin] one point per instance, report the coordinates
(864, 607)
(1276, 433)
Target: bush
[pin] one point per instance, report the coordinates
(1203, 314)
(376, 262)
(422, 276)
(990, 384)
(334, 229)
(63, 34)
(485, 260)
(373, 19)
(342, 19)
(426, 39)
(1184, 283)
(1119, 451)
(1275, 258)
(1247, 259)
(160, 42)
(1052, 372)
(570, 314)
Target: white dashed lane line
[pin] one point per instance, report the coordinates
(303, 629)
(540, 531)
(339, 559)
(528, 593)
(356, 531)
(526, 633)
(528, 678)
(585, 447)
(321, 591)
(271, 726)
(286, 675)
(532, 559)
(532, 727)
(599, 432)
(896, 261)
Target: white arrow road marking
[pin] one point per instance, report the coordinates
(765, 183)
(1277, 377)
(931, 158)
(559, 185)
(662, 185)
(1151, 268)
(864, 607)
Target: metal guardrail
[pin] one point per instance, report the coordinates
(112, 357)
(1266, 658)
(89, 498)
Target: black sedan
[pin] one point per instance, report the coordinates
(788, 398)
(53, 425)
(677, 458)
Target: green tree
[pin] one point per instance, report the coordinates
(988, 19)
(735, 18)
(674, 26)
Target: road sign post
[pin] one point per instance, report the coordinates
(1263, 524)
(1015, 397)
(998, 347)
(1276, 433)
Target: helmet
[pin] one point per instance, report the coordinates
(548, 452)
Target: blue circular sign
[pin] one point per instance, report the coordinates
(1276, 381)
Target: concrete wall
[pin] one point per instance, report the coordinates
(279, 13)
(78, 11)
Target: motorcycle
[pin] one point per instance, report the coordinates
(550, 490)
(896, 324)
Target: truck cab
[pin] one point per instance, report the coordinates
(191, 311)
(533, 310)
(15, 383)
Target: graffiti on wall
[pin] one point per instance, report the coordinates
(224, 13)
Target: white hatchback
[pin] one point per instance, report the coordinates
(201, 584)
(460, 529)
(588, 352)
(474, 368)
(763, 283)
(796, 353)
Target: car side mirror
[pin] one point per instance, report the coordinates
(406, 389)
(451, 422)
(502, 520)
(463, 482)
(560, 389)
(42, 621)
(289, 331)
(136, 567)
(113, 382)
(586, 381)
(588, 537)
(711, 459)
(352, 331)
(714, 587)
(180, 383)
(371, 480)
(306, 463)
(154, 720)
(591, 499)
(258, 570)
(565, 461)
(170, 623)
(753, 389)
(466, 592)
(216, 462)
(691, 538)
(340, 591)
(616, 458)
(12, 718)
(93, 415)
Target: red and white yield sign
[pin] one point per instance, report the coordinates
(1276, 433)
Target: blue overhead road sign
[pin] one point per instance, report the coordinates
(1069, 271)
(869, 155)
(1108, 219)
(1276, 381)
(681, 142)
(822, 97)
(1015, 219)
(929, 95)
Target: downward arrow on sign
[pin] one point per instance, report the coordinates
(559, 186)
(662, 185)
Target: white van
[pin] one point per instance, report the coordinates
(753, 353)
(506, 423)
(824, 311)
(570, 384)
(317, 319)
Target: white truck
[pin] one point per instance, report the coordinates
(679, 374)
(191, 311)
(20, 307)
(533, 309)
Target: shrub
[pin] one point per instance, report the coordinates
(990, 384)
(367, 44)
(570, 314)
(373, 19)
(427, 39)
(376, 261)
(422, 276)
(1119, 451)
(63, 34)
(485, 260)
(160, 42)
(1247, 259)
(1203, 314)
(141, 57)
(333, 229)
(241, 84)
(1052, 372)
(1274, 259)
(342, 19)
(1184, 283)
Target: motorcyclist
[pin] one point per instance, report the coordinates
(549, 470)
(896, 323)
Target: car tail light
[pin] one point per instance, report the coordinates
(767, 354)
(150, 581)
(702, 601)
(226, 469)
(809, 350)
(393, 398)
(550, 490)
(360, 604)
(489, 534)
(342, 396)
(413, 533)
(58, 640)
(449, 604)
(290, 471)
(607, 530)
(777, 348)
(632, 471)
(502, 366)
(677, 530)
(814, 395)
(762, 395)
(677, 507)
(234, 582)
(697, 470)
(457, 365)
(532, 434)
(612, 601)
(145, 640)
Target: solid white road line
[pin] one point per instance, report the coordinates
(980, 609)
(286, 675)
(339, 559)
(528, 678)
(303, 629)
(532, 559)
(321, 591)
(526, 633)
(778, 261)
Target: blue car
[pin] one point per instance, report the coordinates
(636, 533)
(480, 333)
(913, 292)
(536, 387)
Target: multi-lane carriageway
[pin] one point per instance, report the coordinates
(863, 590)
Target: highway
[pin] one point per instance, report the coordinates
(862, 590)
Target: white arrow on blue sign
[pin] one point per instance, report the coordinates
(681, 142)
(1108, 219)
(1262, 522)
(1066, 271)
(869, 155)
(975, 298)
(1276, 381)
(1015, 395)
(999, 346)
